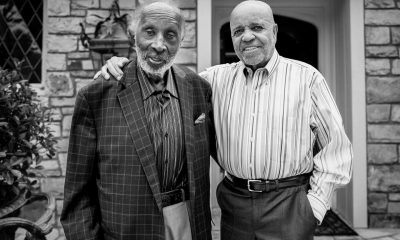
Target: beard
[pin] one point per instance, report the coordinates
(256, 58)
(150, 70)
(252, 60)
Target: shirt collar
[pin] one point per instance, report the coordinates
(148, 89)
(269, 67)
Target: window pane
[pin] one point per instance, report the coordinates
(21, 21)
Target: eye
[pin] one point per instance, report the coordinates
(257, 28)
(149, 32)
(171, 35)
(237, 32)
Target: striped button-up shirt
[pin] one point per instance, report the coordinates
(268, 121)
(164, 123)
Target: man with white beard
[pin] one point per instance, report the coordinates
(138, 160)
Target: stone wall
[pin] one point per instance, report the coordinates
(69, 68)
(382, 47)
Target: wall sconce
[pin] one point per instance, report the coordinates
(110, 37)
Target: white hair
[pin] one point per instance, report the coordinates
(135, 20)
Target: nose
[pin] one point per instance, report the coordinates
(247, 35)
(159, 44)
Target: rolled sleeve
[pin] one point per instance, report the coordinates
(333, 163)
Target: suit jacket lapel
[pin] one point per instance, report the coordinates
(185, 91)
(132, 106)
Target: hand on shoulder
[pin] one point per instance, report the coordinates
(114, 67)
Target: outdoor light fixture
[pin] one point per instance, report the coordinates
(110, 37)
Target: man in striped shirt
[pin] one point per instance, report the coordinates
(270, 113)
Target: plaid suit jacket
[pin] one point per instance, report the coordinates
(112, 189)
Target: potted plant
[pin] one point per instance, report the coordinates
(25, 139)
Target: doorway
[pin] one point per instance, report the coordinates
(340, 58)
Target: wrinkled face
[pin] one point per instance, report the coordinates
(158, 37)
(253, 34)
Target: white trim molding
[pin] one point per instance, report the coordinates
(358, 129)
(204, 18)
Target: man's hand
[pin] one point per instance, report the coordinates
(113, 66)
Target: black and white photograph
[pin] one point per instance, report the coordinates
(199, 119)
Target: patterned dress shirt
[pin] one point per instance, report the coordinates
(164, 124)
(268, 121)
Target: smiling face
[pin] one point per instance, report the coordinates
(253, 33)
(158, 37)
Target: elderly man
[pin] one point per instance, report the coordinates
(138, 160)
(269, 114)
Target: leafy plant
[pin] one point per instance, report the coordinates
(25, 137)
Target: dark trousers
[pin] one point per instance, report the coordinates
(284, 214)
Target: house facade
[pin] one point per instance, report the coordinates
(355, 44)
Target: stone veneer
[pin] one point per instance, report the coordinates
(382, 47)
(69, 68)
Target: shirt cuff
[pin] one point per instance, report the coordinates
(319, 208)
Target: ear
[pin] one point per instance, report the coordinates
(275, 30)
(132, 40)
(181, 41)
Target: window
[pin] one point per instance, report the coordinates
(21, 27)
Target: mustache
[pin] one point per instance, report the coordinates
(158, 56)
(244, 46)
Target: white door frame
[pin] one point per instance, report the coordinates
(353, 12)
(359, 122)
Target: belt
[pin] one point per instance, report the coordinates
(174, 196)
(261, 185)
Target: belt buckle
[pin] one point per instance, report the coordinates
(250, 181)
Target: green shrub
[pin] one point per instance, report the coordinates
(25, 137)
